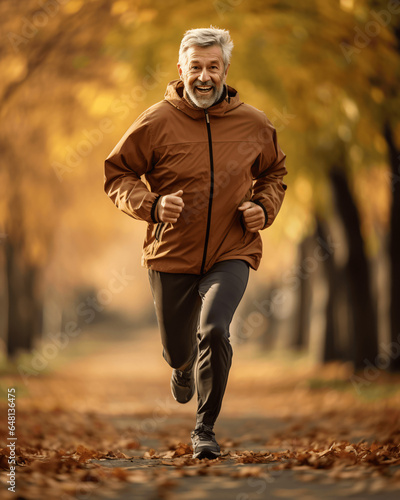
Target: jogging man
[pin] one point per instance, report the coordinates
(213, 170)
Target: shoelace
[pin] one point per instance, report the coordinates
(184, 375)
(184, 378)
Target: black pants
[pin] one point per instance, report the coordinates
(194, 313)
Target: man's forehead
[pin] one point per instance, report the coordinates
(213, 52)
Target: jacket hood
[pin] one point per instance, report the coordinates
(175, 96)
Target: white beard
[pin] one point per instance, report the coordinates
(206, 101)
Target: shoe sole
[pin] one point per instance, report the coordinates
(182, 402)
(206, 454)
(194, 386)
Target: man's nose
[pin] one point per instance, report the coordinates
(204, 76)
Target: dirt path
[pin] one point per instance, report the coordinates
(101, 423)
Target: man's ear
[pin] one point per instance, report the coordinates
(179, 70)
(226, 71)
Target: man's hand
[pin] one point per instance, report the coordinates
(169, 207)
(253, 216)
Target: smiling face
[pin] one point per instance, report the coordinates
(203, 75)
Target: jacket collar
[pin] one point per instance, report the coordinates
(175, 95)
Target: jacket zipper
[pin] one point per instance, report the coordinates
(210, 199)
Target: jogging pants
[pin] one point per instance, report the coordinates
(194, 313)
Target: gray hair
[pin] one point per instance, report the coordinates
(205, 37)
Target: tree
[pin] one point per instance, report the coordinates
(53, 45)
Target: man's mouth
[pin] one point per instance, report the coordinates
(204, 89)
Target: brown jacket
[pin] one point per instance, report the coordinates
(219, 157)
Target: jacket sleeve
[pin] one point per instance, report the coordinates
(130, 159)
(268, 171)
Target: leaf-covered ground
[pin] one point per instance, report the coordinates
(99, 422)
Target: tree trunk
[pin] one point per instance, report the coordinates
(337, 327)
(365, 334)
(24, 308)
(3, 292)
(394, 249)
(303, 314)
(330, 341)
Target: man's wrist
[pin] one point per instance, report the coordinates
(154, 210)
(257, 202)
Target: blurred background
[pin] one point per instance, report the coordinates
(76, 74)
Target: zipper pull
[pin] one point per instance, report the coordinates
(207, 117)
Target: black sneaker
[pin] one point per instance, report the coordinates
(182, 385)
(204, 443)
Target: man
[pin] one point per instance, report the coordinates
(214, 179)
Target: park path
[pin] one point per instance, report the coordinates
(100, 422)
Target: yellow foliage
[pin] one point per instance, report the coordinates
(119, 7)
(146, 15)
(303, 190)
(13, 68)
(347, 5)
(73, 6)
(101, 103)
(380, 144)
(350, 108)
(377, 95)
(287, 62)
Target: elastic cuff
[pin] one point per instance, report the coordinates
(153, 209)
(257, 202)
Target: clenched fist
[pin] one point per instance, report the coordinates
(253, 216)
(169, 207)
